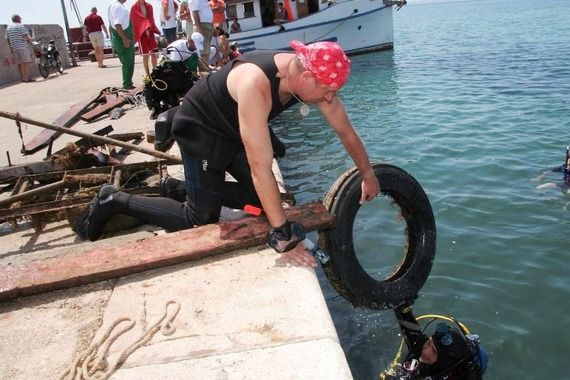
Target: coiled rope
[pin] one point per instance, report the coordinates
(92, 364)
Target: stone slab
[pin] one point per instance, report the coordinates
(39, 334)
(316, 359)
(242, 315)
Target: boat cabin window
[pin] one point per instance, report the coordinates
(313, 5)
(231, 11)
(253, 14)
(248, 10)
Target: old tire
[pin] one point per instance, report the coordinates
(345, 272)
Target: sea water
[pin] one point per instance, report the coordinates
(474, 102)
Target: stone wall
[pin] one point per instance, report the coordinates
(40, 33)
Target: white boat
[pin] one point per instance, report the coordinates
(359, 26)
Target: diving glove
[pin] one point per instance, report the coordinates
(286, 237)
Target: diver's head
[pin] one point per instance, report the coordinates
(445, 349)
(429, 352)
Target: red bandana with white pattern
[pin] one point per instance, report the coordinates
(325, 60)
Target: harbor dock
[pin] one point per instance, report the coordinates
(241, 314)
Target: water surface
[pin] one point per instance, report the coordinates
(474, 102)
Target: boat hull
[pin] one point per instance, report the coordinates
(359, 26)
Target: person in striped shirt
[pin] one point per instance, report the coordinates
(18, 40)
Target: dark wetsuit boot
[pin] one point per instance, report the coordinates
(173, 188)
(109, 201)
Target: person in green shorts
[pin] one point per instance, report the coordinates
(122, 39)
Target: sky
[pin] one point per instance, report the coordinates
(49, 11)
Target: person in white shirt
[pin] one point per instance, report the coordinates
(182, 50)
(168, 19)
(18, 40)
(202, 17)
(122, 39)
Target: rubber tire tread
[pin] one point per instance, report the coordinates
(345, 272)
(59, 65)
(43, 67)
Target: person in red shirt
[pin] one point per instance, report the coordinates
(142, 17)
(218, 8)
(92, 27)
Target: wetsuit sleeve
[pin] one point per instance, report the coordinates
(411, 329)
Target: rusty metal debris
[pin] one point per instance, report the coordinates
(59, 189)
(42, 198)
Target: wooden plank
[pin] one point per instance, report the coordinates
(10, 173)
(137, 148)
(127, 136)
(44, 137)
(170, 249)
(85, 141)
(104, 108)
(112, 101)
(66, 120)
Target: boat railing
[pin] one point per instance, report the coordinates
(398, 3)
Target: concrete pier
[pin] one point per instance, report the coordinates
(242, 315)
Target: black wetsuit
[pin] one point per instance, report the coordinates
(206, 128)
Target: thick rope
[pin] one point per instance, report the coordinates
(92, 363)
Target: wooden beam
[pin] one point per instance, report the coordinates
(112, 100)
(84, 142)
(66, 120)
(170, 249)
(14, 116)
(44, 137)
(49, 164)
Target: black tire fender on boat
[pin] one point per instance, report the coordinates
(345, 272)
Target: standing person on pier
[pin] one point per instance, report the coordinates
(144, 29)
(202, 19)
(222, 126)
(186, 17)
(168, 19)
(18, 39)
(122, 39)
(93, 28)
(218, 8)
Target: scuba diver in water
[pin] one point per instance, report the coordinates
(452, 352)
(564, 169)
